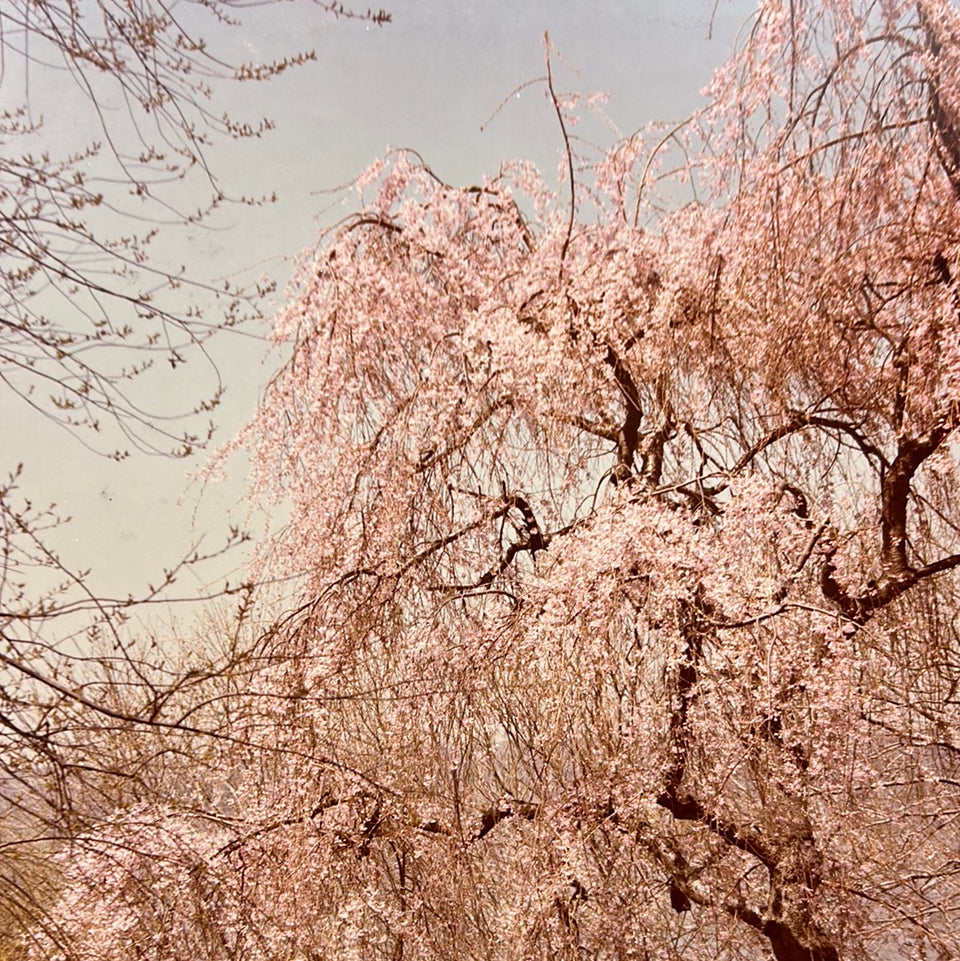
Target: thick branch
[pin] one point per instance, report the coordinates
(628, 435)
(945, 126)
(896, 490)
(800, 421)
(491, 817)
(683, 806)
(898, 575)
(534, 540)
(791, 861)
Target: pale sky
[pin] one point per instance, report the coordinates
(429, 80)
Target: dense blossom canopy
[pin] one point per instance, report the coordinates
(625, 523)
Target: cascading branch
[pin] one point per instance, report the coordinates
(627, 625)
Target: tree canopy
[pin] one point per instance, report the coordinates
(625, 522)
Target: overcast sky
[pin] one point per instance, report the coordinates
(431, 80)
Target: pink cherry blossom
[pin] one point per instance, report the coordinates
(624, 548)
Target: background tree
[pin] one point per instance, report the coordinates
(93, 311)
(78, 278)
(626, 520)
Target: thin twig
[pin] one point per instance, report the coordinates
(569, 152)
